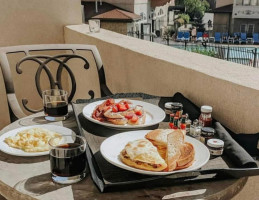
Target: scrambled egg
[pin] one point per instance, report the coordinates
(32, 140)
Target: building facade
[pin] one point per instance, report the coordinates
(246, 16)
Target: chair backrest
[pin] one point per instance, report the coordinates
(225, 34)
(217, 35)
(51, 71)
(255, 36)
(186, 34)
(180, 34)
(199, 34)
(243, 36)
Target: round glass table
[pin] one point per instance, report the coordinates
(29, 178)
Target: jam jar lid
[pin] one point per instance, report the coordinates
(208, 130)
(177, 105)
(216, 143)
(206, 109)
(168, 105)
(173, 105)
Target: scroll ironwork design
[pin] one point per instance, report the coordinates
(43, 61)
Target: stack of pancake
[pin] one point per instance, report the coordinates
(161, 150)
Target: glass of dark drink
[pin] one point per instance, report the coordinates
(55, 104)
(67, 159)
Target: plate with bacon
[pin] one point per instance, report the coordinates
(122, 113)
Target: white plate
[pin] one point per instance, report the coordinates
(154, 114)
(17, 152)
(112, 146)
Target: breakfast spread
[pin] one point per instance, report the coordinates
(121, 113)
(161, 150)
(32, 140)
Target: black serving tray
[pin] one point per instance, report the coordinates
(108, 177)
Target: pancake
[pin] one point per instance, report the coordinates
(187, 154)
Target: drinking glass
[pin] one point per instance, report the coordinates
(94, 25)
(67, 159)
(55, 102)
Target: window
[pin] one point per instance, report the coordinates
(143, 16)
(250, 28)
(243, 28)
(239, 2)
(161, 12)
(246, 2)
(253, 2)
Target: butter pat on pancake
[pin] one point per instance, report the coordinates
(142, 154)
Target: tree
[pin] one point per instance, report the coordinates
(183, 19)
(194, 8)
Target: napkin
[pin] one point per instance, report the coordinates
(234, 151)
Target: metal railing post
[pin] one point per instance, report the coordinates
(228, 53)
(255, 57)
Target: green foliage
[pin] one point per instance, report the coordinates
(183, 18)
(194, 8)
(205, 52)
(168, 31)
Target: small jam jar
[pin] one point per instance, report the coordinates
(175, 108)
(215, 147)
(206, 134)
(205, 118)
(168, 108)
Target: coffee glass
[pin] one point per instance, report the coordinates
(67, 159)
(55, 102)
(94, 25)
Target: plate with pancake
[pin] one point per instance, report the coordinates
(195, 154)
(123, 114)
(31, 140)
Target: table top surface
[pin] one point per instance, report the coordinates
(29, 178)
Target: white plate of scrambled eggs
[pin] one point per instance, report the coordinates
(31, 140)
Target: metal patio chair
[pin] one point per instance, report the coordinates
(218, 37)
(243, 38)
(44, 63)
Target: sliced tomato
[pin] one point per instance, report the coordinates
(129, 115)
(134, 118)
(138, 112)
(109, 102)
(127, 105)
(121, 107)
(114, 109)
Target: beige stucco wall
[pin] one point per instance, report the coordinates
(133, 65)
(36, 21)
(32, 22)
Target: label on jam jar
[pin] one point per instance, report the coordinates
(215, 147)
(218, 152)
(202, 139)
